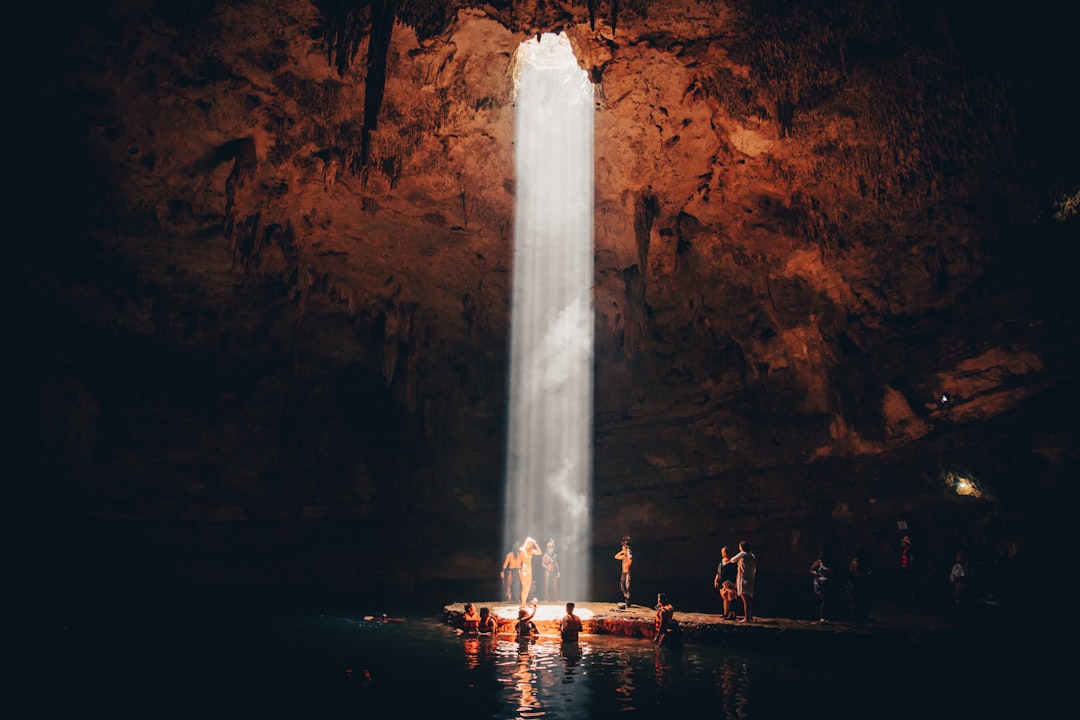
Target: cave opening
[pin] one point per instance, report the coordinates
(549, 442)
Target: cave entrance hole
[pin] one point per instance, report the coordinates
(549, 441)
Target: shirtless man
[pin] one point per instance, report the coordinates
(511, 564)
(528, 548)
(627, 557)
(570, 625)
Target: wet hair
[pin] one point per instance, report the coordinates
(626, 539)
(522, 612)
(662, 597)
(468, 606)
(485, 611)
(570, 607)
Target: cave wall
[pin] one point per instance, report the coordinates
(266, 291)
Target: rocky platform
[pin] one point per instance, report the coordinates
(888, 629)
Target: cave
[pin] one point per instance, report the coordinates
(261, 288)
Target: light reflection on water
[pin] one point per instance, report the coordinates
(500, 677)
(209, 665)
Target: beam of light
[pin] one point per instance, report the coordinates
(549, 447)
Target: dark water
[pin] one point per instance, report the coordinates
(142, 663)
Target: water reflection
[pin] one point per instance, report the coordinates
(528, 703)
(734, 681)
(500, 678)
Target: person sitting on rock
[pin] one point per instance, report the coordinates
(665, 616)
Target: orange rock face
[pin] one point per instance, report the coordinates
(279, 299)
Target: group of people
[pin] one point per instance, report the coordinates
(482, 622)
(517, 570)
(735, 578)
(833, 582)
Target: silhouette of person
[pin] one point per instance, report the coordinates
(551, 571)
(528, 548)
(570, 625)
(509, 573)
(745, 580)
(487, 625)
(724, 582)
(626, 555)
(471, 620)
(857, 591)
(526, 628)
(908, 578)
(665, 615)
(822, 569)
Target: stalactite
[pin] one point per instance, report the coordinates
(245, 161)
(346, 22)
(646, 209)
(383, 15)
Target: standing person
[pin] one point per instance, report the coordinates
(822, 570)
(724, 582)
(551, 572)
(909, 578)
(665, 615)
(526, 628)
(509, 573)
(856, 588)
(744, 582)
(528, 548)
(626, 555)
(958, 578)
(570, 625)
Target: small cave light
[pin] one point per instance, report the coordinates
(964, 485)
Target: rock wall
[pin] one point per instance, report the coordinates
(265, 300)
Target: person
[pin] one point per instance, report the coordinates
(724, 582)
(959, 577)
(665, 615)
(626, 555)
(509, 573)
(908, 576)
(746, 561)
(857, 592)
(487, 624)
(822, 571)
(551, 572)
(570, 625)
(526, 628)
(471, 621)
(528, 548)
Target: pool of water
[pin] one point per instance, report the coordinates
(327, 664)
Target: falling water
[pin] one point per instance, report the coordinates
(549, 454)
